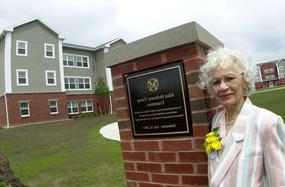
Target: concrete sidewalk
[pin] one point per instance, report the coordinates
(111, 131)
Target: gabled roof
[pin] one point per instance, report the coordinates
(270, 62)
(11, 28)
(107, 44)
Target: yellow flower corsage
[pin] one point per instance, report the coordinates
(212, 142)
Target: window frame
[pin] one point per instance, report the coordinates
(53, 50)
(85, 102)
(27, 77)
(54, 73)
(50, 107)
(269, 70)
(17, 47)
(76, 82)
(83, 60)
(27, 108)
(71, 107)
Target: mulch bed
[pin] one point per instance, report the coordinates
(7, 177)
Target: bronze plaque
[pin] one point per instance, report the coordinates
(159, 101)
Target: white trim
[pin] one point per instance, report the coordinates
(109, 79)
(27, 77)
(86, 106)
(77, 84)
(29, 114)
(74, 61)
(7, 111)
(7, 62)
(54, 77)
(76, 104)
(55, 106)
(61, 71)
(11, 28)
(17, 47)
(260, 75)
(46, 45)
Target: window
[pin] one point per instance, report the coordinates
(77, 83)
(86, 106)
(280, 67)
(69, 83)
(80, 83)
(85, 62)
(72, 107)
(281, 75)
(270, 70)
(64, 60)
(50, 78)
(22, 77)
(77, 61)
(83, 83)
(21, 48)
(24, 109)
(53, 107)
(70, 60)
(49, 50)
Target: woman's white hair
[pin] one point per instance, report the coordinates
(219, 58)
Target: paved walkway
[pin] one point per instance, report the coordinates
(111, 131)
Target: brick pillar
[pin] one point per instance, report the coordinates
(169, 160)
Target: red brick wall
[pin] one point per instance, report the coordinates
(2, 112)
(267, 66)
(165, 161)
(39, 107)
(78, 98)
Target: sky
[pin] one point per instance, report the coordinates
(255, 27)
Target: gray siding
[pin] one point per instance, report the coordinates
(2, 73)
(36, 34)
(117, 43)
(100, 65)
(81, 72)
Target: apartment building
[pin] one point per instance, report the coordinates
(44, 79)
(270, 74)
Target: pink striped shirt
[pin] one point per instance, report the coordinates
(253, 153)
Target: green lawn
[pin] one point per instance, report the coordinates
(273, 99)
(70, 153)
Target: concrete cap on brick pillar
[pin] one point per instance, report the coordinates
(177, 36)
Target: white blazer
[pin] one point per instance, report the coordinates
(253, 152)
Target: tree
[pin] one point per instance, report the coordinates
(102, 90)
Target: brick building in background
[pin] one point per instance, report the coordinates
(44, 79)
(270, 74)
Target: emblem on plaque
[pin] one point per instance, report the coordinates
(152, 84)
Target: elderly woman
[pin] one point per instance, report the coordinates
(251, 152)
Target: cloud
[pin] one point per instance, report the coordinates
(255, 26)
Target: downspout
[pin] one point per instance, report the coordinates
(7, 112)
(111, 108)
(277, 66)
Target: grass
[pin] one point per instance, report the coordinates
(74, 154)
(272, 99)
(69, 153)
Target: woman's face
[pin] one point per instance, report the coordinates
(228, 85)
